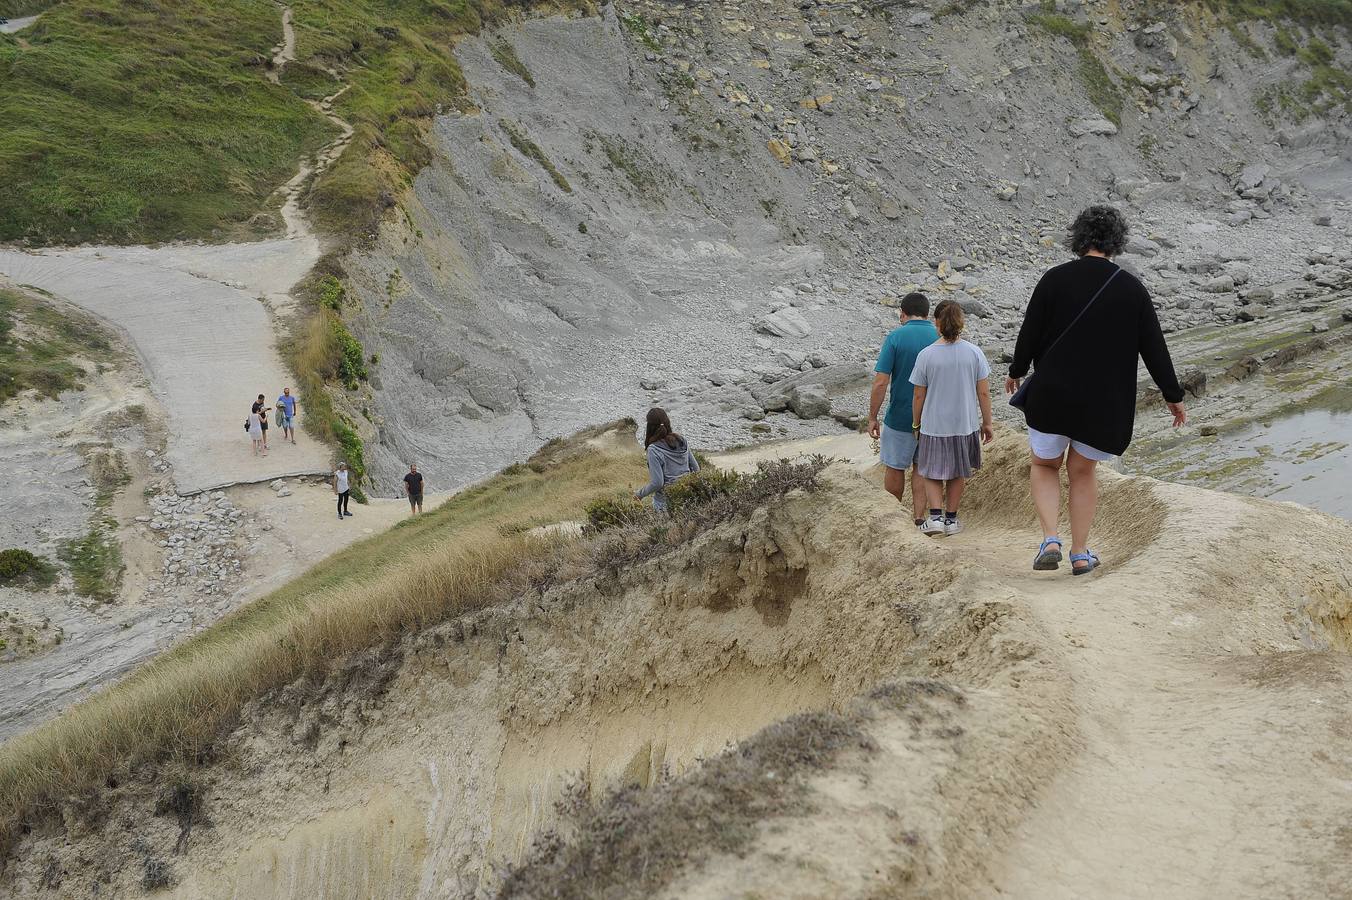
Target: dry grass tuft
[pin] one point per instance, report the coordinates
(636, 841)
(463, 556)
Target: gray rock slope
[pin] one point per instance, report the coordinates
(713, 206)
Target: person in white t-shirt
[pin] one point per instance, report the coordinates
(342, 488)
(952, 405)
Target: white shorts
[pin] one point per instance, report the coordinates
(1053, 446)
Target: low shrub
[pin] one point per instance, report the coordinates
(703, 487)
(616, 512)
(631, 532)
(20, 567)
(350, 358)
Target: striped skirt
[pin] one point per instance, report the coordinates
(946, 458)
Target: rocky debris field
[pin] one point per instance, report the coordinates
(199, 538)
(715, 207)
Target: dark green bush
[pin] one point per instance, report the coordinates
(616, 512)
(20, 567)
(332, 295)
(351, 364)
(704, 486)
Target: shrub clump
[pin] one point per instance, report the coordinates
(635, 842)
(351, 362)
(632, 532)
(20, 567)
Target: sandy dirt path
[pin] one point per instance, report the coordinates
(1215, 757)
(287, 536)
(1216, 761)
(208, 349)
(201, 317)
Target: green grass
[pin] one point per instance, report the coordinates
(95, 562)
(15, 9)
(40, 346)
(1062, 26)
(505, 54)
(528, 148)
(1102, 91)
(458, 557)
(1323, 12)
(636, 24)
(151, 120)
(144, 121)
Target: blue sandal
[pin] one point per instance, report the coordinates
(1089, 556)
(1048, 560)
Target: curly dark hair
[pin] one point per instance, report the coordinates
(1100, 228)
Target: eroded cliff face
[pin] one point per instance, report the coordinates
(964, 717)
(631, 194)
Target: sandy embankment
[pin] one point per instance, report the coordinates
(1172, 726)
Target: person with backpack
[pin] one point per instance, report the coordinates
(1088, 323)
(669, 458)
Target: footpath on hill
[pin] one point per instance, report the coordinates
(1209, 671)
(201, 318)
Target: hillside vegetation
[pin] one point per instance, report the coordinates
(471, 551)
(154, 120)
(40, 346)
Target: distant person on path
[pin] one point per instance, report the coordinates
(255, 424)
(413, 488)
(263, 420)
(1087, 323)
(896, 438)
(286, 414)
(952, 408)
(342, 488)
(669, 458)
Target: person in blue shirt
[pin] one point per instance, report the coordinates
(287, 404)
(895, 433)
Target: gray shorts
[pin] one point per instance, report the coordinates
(898, 448)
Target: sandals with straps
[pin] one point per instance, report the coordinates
(1048, 560)
(1089, 556)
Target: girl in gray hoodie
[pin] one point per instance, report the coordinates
(669, 458)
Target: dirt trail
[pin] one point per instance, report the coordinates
(203, 320)
(1214, 758)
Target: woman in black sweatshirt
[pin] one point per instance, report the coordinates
(1087, 324)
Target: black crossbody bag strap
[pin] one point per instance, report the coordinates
(1073, 322)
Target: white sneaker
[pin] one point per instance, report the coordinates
(954, 527)
(934, 525)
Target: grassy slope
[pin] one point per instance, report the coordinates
(465, 554)
(39, 346)
(144, 121)
(148, 120)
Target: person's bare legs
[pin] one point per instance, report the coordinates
(934, 492)
(1083, 475)
(1045, 480)
(894, 482)
(955, 489)
(917, 494)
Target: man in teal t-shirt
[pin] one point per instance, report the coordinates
(895, 435)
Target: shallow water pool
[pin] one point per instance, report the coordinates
(1304, 456)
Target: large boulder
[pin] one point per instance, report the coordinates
(1090, 125)
(809, 401)
(1252, 175)
(836, 380)
(784, 323)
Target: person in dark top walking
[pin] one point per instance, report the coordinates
(413, 487)
(669, 458)
(1086, 325)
